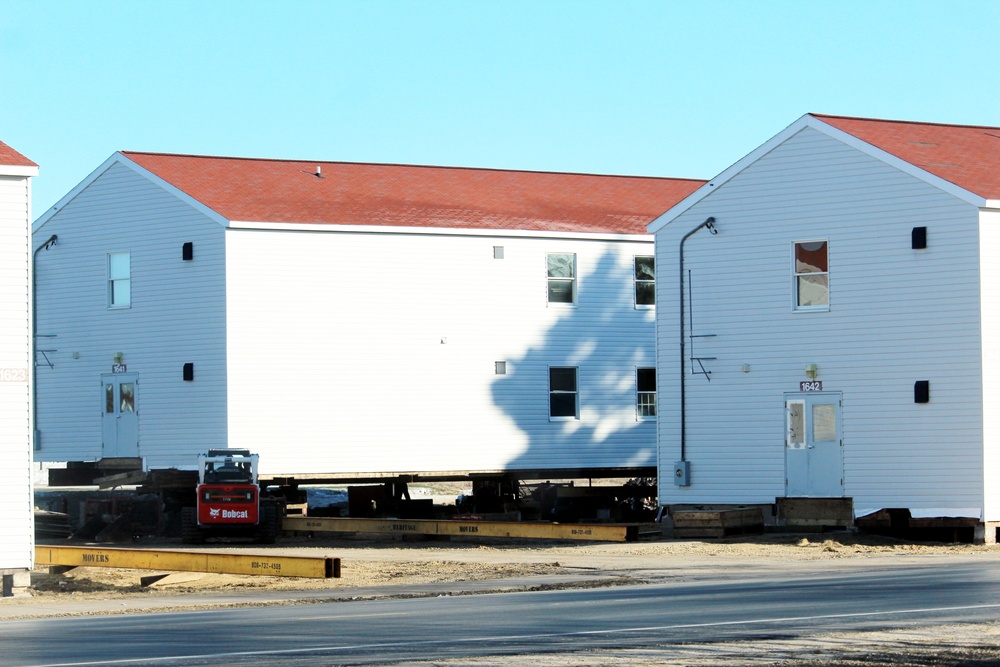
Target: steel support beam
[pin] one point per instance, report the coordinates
(319, 567)
(545, 531)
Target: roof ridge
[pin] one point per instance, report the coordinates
(906, 122)
(412, 166)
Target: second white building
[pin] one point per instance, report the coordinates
(350, 318)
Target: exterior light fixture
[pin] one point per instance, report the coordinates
(812, 370)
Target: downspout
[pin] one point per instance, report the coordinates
(34, 338)
(709, 224)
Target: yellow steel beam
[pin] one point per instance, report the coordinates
(190, 561)
(548, 531)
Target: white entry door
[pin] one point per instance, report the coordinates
(120, 426)
(814, 460)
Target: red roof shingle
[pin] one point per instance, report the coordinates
(965, 155)
(12, 158)
(285, 191)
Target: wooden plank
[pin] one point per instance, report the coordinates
(189, 561)
(121, 479)
(549, 531)
(717, 523)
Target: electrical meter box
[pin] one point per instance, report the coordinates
(682, 473)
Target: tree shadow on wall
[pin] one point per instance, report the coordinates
(606, 338)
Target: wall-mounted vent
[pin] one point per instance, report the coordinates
(189, 372)
(498, 252)
(922, 391)
(918, 238)
(187, 251)
(500, 367)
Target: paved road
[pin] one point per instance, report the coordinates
(386, 631)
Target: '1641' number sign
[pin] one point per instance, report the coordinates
(811, 385)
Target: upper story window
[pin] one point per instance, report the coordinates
(812, 275)
(119, 280)
(645, 281)
(563, 403)
(645, 385)
(562, 277)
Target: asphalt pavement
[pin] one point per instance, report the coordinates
(28, 607)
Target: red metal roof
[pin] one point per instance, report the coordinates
(12, 158)
(965, 155)
(285, 191)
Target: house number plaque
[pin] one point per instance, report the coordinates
(811, 385)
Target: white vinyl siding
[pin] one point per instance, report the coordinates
(177, 316)
(16, 523)
(306, 364)
(989, 267)
(899, 316)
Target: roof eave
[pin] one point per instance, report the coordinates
(727, 175)
(808, 120)
(17, 170)
(439, 231)
(899, 163)
(119, 158)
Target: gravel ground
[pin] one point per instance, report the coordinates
(388, 563)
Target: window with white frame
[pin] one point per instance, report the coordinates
(119, 280)
(645, 386)
(811, 275)
(563, 394)
(561, 268)
(645, 281)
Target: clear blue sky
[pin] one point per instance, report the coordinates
(663, 88)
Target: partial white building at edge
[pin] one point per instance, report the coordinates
(344, 318)
(16, 502)
(828, 323)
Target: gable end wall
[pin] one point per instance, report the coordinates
(896, 316)
(177, 316)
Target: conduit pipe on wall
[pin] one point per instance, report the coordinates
(34, 340)
(709, 224)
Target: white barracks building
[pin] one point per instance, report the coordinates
(341, 318)
(16, 502)
(837, 331)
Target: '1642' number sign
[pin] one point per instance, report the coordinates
(811, 385)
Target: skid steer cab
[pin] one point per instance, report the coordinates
(229, 500)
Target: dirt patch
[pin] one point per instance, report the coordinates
(386, 561)
(375, 562)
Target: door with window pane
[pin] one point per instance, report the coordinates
(814, 462)
(119, 407)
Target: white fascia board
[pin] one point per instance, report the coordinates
(817, 124)
(992, 204)
(727, 175)
(118, 158)
(438, 231)
(11, 170)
